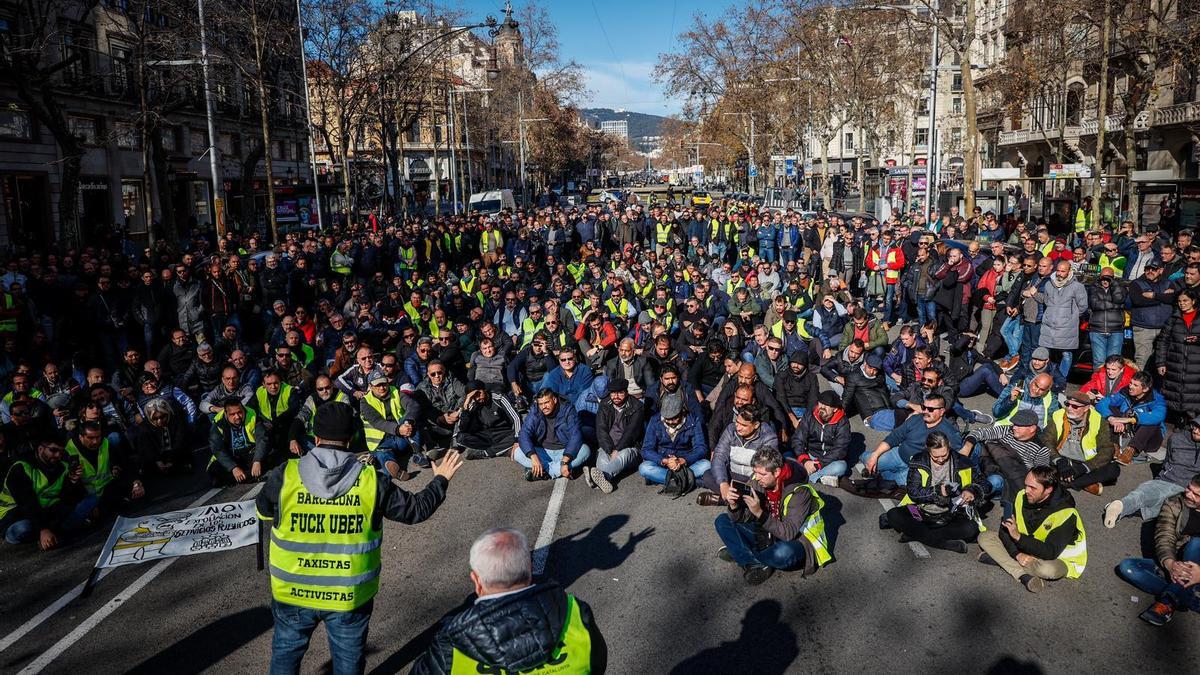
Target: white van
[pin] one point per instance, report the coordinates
(492, 201)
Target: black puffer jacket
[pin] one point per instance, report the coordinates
(512, 633)
(865, 395)
(1106, 307)
(1178, 348)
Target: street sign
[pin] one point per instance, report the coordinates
(789, 166)
(1069, 171)
(753, 171)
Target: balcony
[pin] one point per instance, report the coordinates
(1111, 123)
(1183, 113)
(1021, 136)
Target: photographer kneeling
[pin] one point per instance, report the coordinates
(942, 491)
(774, 521)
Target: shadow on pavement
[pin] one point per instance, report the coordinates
(766, 646)
(594, 548)
(412, 649)
(832, 514)
(205, 647)
(1008, 665)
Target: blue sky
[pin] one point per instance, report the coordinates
(618, 69)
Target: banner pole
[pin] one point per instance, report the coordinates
(258, 548)
(91, 581)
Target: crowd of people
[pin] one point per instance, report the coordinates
(720, 349)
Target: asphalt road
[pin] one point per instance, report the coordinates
(647, 565)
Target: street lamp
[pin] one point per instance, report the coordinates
(521, 128)
(467, 131)
(752, 170)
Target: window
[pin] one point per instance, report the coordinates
(1075, 104)
(198, 142)
(169, 138)
(956, 105)
(15, 123)
(848, 142)
(437, 134)
(414, 133)
(225, 143)
(956, 136)
(957, 84)
(921, 137)
(276, 150)
(923, 106)
(86, 129)
(121, 73)
(76, 48)
(127, 136)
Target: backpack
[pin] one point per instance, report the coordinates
(679, 483)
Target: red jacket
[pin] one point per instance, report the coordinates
(1099, 381)
(607, 336)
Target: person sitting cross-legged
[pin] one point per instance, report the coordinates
(674, 441)
(822, 440)
(620, 427)
(941, 486)
(550, 444)
(1174, 580)
(776, 524)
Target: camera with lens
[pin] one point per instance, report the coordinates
(953, 490)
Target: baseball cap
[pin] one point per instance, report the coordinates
(874, 361)
(1025, 418)
(377, 377)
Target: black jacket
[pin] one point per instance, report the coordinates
(511, 633)
(865, 395)
(1106, 307)
(822, 442)
(1178, 348)
(796, 391)
(634, 427)
(1035, 514)
(931, 494)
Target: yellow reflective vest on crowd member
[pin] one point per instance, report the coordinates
(1047, 401)
(1088, 443)
(325, 552)
(392, 405)
(573, 655)
(96, 476)
(47, 491)
(814, 526)
(1075, 554)
(263, 399)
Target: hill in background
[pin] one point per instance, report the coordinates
(640, 124)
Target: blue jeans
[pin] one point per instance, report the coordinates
(927, 310)
(1148, 498)
(786, 255)
(1011, 331)
(995, 480)
(883, 420)
(767, 253)
(739, 540)
(1064, 366)
(551, 459)
(891, 467)
(985, 378)
(837, 469)
(657, 473)
(1105, 345)
(24, 530)
(347, 633)
(393, 448)
(889, 303)
(1030, 334)
(1145, 574)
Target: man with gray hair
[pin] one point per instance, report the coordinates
(514, 625)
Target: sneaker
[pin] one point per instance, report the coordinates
(828, 481)
(986, 559)
(587, 477)
(1112, 513)
(476, 453)
(601, 481)
(756, 574)
(1031, 583)
(707, 498)
(982, 417)
(723, 554)
(1094, 488)
(529, 478)
(1008, 364)
(420, 460)
(955, 545)
(884, 523)
(1158, 614)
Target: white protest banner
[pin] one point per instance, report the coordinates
(204, 529)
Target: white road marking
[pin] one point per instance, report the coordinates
(541, 549)
(917, 547)
(71, 638)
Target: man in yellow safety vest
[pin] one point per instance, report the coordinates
(326, 512)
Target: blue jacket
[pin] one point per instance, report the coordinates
(689, 443)
(899, 356)
(1150, 312)
(414, 369)
(796, 242)
(1148, 413)
(533, 430)
(766, 236)
(570, 389)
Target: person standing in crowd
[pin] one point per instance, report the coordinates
(326, 574)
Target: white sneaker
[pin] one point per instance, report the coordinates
(587, 477)
(982, 417)
(831, 481)
(600, 481)
(1112, 513)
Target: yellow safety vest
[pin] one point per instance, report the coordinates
(1046, 401)
(1047, 248)
(95, 477)
(375, 436)
(1088, 442)
(801, 329)
(335, 268)
(814, 526)
(1083, 220)
(325, 552)
(964, 479)
(8, 325)
(577, 270)
(529, 329)
(264, 401)
(1074, 555)
(573, 656)
(495, 241)
(618, 309)
(46, 491)
(662, 233)
(250, 426)
(1116, 263)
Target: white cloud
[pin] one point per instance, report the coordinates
(626, 85)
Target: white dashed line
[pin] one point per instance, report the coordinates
(541, 549)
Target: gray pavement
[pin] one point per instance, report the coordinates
(647, 566)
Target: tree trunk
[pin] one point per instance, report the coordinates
(826, 191)
(264, 119)
(1135, 211)
(249, 164)
(166, 198)
(971, 156)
